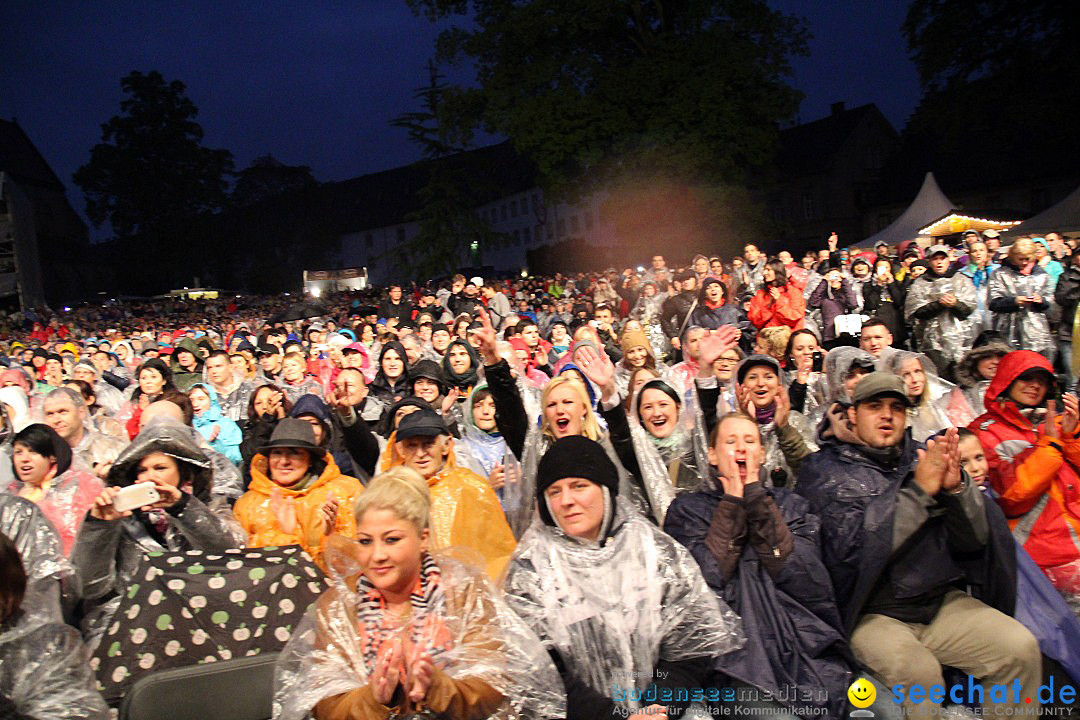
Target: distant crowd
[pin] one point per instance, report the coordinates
(638, 493)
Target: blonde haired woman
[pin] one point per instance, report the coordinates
(566, 411)
(405, 632)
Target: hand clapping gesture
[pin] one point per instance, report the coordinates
(938, 468)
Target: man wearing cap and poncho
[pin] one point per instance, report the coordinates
(939, 306)
(465, 511)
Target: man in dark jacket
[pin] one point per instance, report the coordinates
(676, 309)
(905, 536)
(1067, 295)
(395, 307)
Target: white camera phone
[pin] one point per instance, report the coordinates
(136, 496)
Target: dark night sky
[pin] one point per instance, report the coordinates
(316, 83)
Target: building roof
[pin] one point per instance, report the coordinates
(1063, 217)
(809, 148)
(21, 161)
(385, 198)
(928, 206)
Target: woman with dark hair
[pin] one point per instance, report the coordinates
(43, 473)
(777, 303)
(713, 310)
(804, 361)
(44, 667)
(391, 383)
(112, 542)
(152, 380)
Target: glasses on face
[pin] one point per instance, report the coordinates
(726, 361)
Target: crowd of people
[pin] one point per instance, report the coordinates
(640, 493)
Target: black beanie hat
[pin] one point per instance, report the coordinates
(574, 456)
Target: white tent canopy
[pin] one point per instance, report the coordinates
(1063, 217)
(929, 205)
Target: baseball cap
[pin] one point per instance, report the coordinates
(935, 249)
(991, 233)
(880, 383)
(354, 347)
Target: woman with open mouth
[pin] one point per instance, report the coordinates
(407, 632)
(566, 409)
(47, 474)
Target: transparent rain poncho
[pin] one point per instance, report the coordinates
(95, 448)
(942, 405)
(673, 464)
(537, 443)
(473, 637)
(481, 451)
(945, 331)
(108, 397)
(45, 671)
(612, 611)
(18, 406)
(51, 580)
(1026, 327)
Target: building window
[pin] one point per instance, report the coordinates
(550, 231)
(807, 206)
(513, 208)
(527, 233)
(517, 237)
(575, 227)
(502, 211)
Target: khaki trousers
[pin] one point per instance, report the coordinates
(966, 634)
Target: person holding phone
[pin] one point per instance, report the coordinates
(112, 542)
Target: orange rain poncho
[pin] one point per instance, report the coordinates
(255, 513)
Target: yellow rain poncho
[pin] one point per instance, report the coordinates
(465, 512)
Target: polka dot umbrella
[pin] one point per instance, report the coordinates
(188, 608)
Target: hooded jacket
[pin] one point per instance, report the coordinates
(785, 600)
(381, 387)
(1036, 476)
(108, 554)
(185, 379)
(967, 371)
(227, 442)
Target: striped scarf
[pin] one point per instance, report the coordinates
(424, 627)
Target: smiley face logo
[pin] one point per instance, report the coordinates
(862, 693)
